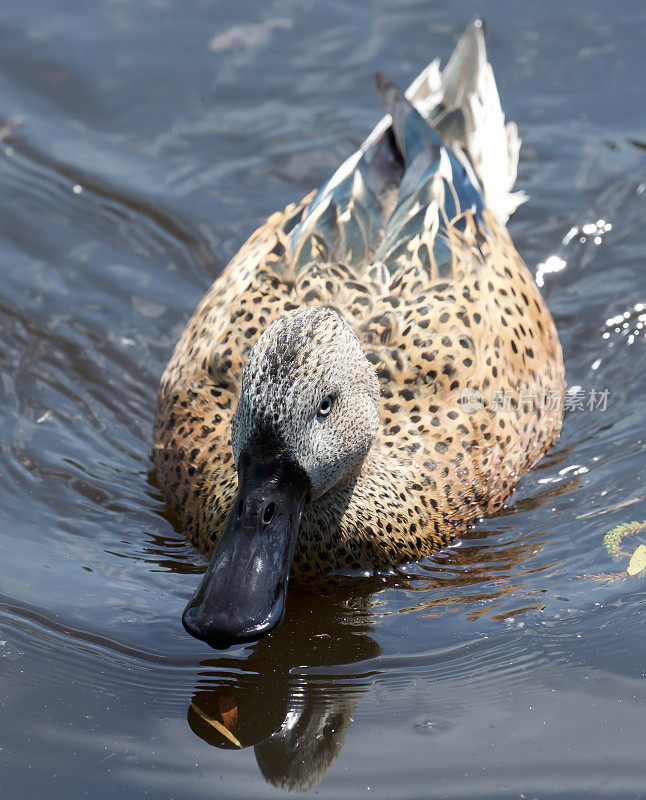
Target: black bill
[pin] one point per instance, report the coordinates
(242, 594)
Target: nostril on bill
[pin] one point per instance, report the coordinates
(268, 513)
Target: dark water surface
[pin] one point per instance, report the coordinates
(142, 142)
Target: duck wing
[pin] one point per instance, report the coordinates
(421, 168)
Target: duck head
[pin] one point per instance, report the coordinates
(307, 416)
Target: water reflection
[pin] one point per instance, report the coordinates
(293, 697)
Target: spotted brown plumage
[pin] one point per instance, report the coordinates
(399, 275)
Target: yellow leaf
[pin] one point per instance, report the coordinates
(217, 725)
(637, 561)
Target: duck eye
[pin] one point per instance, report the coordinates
(325, 407)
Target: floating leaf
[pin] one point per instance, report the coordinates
(217, 725)
(613, 538)
(637, 561)
(229, 711)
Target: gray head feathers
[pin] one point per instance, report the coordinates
(308, 391)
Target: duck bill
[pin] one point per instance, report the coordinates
(242, 595)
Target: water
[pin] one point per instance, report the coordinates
(141, 143)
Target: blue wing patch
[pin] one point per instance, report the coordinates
(377, 203)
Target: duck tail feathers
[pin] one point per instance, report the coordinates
(448, 122)
(463, 105)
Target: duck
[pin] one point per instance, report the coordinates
(373, 371)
